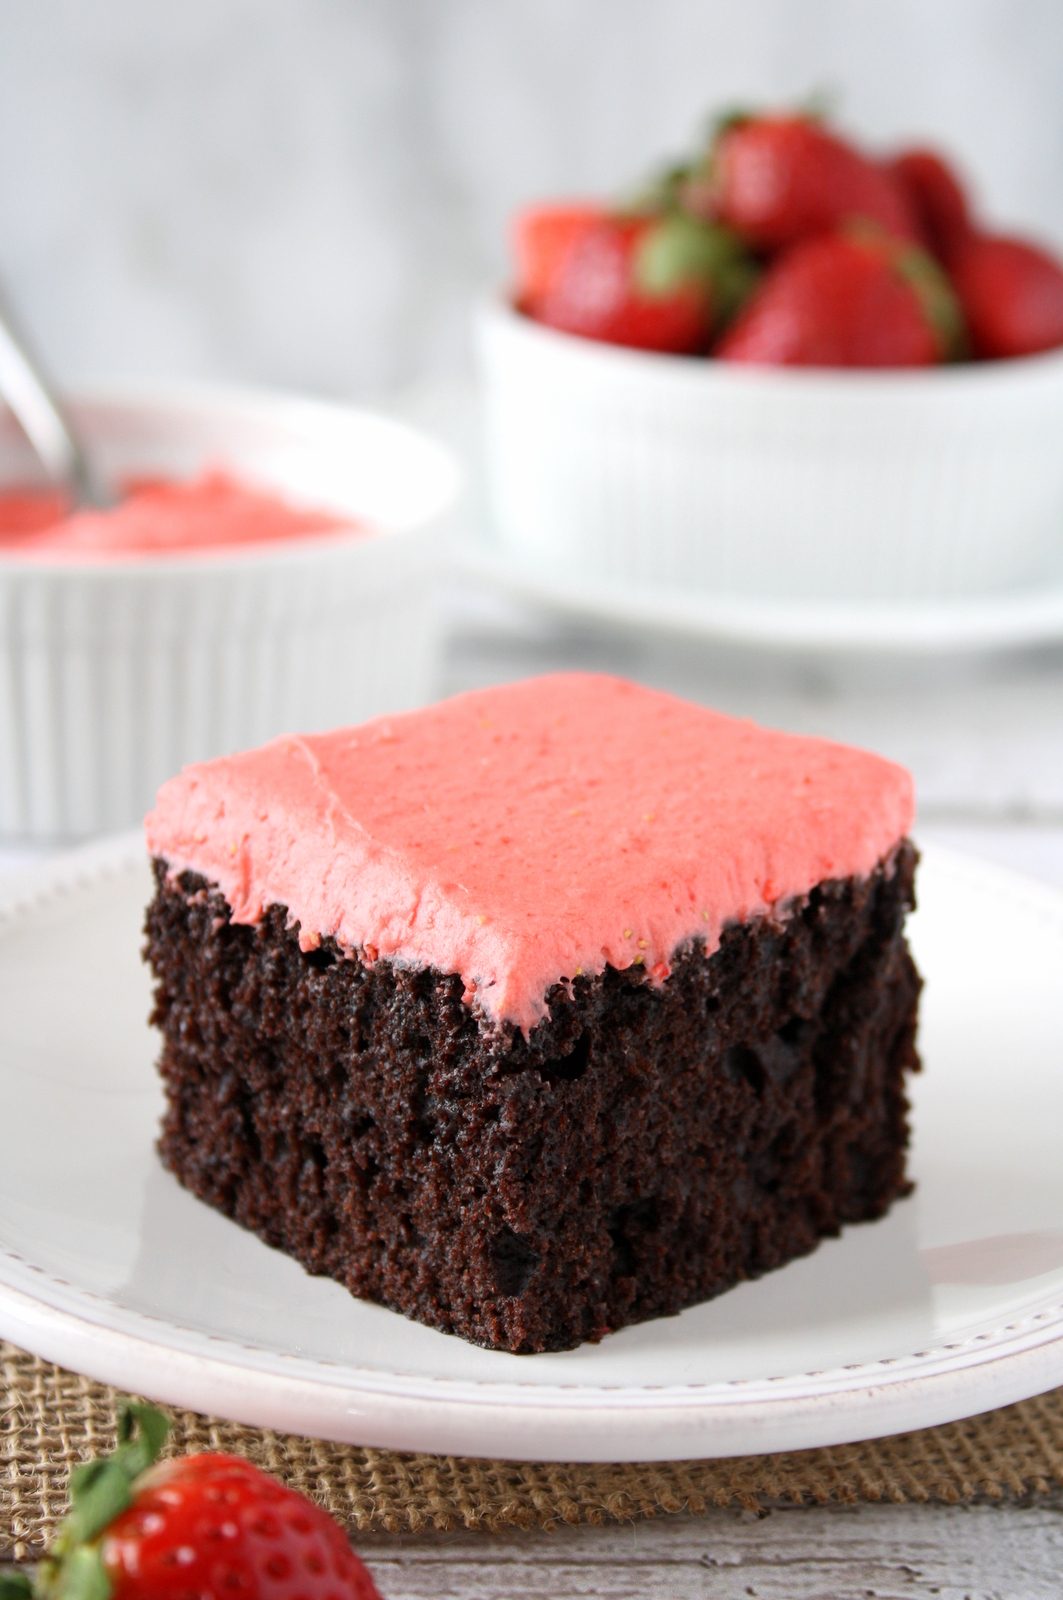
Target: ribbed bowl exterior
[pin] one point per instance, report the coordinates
(114, 676)
(635, 468)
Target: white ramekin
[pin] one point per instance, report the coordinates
(660, 471)
(113, 674)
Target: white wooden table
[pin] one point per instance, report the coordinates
(792, 1553)
(985, 741)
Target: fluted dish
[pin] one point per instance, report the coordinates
(115, 673)
(672, 473)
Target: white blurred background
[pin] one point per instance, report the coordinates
(309, 192)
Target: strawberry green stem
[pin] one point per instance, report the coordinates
(937, 298)
(99, 1490)
(679, 252)
(15, 1586)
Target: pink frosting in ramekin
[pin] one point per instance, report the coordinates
(159, 517)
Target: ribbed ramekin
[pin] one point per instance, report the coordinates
(652, 470)
(114, 674)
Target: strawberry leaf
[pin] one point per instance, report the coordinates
(81, 1576)
(661, 194)
(141, 1435)
(720, 122)
(679, 252)
(99, 1491)
(15, 1586)
(98, 1496)
(939, 301)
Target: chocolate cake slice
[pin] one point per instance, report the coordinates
(543, 1011)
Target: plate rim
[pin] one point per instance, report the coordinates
(592, 1422)
(457, 1425)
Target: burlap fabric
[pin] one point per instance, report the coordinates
(51, 1419)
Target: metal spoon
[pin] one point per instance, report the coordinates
(45, 423)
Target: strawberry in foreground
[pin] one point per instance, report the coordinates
(655, 283)
(857, 299)
(201, 1527)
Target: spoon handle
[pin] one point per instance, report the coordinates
(42, 420)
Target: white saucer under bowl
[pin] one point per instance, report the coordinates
(1020, 619)
(1007, 619)
(949, 1306)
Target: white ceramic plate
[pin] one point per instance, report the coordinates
(949, 1306)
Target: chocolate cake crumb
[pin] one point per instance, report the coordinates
(645, 1148)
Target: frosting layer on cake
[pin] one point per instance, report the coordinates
(522, 835)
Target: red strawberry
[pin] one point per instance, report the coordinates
(201, 1527)
(215, 1525)
(1012, 296)
(780, 179)
(595, 293)
(542, 236)
(938, 199)
(849, 300)
(657, 283)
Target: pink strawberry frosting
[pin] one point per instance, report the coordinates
(158, 517)
(522, 835)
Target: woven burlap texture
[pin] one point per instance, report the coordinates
(51, 1419)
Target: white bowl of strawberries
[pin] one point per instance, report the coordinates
(791, 371)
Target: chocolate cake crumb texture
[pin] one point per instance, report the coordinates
(645, 1148)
